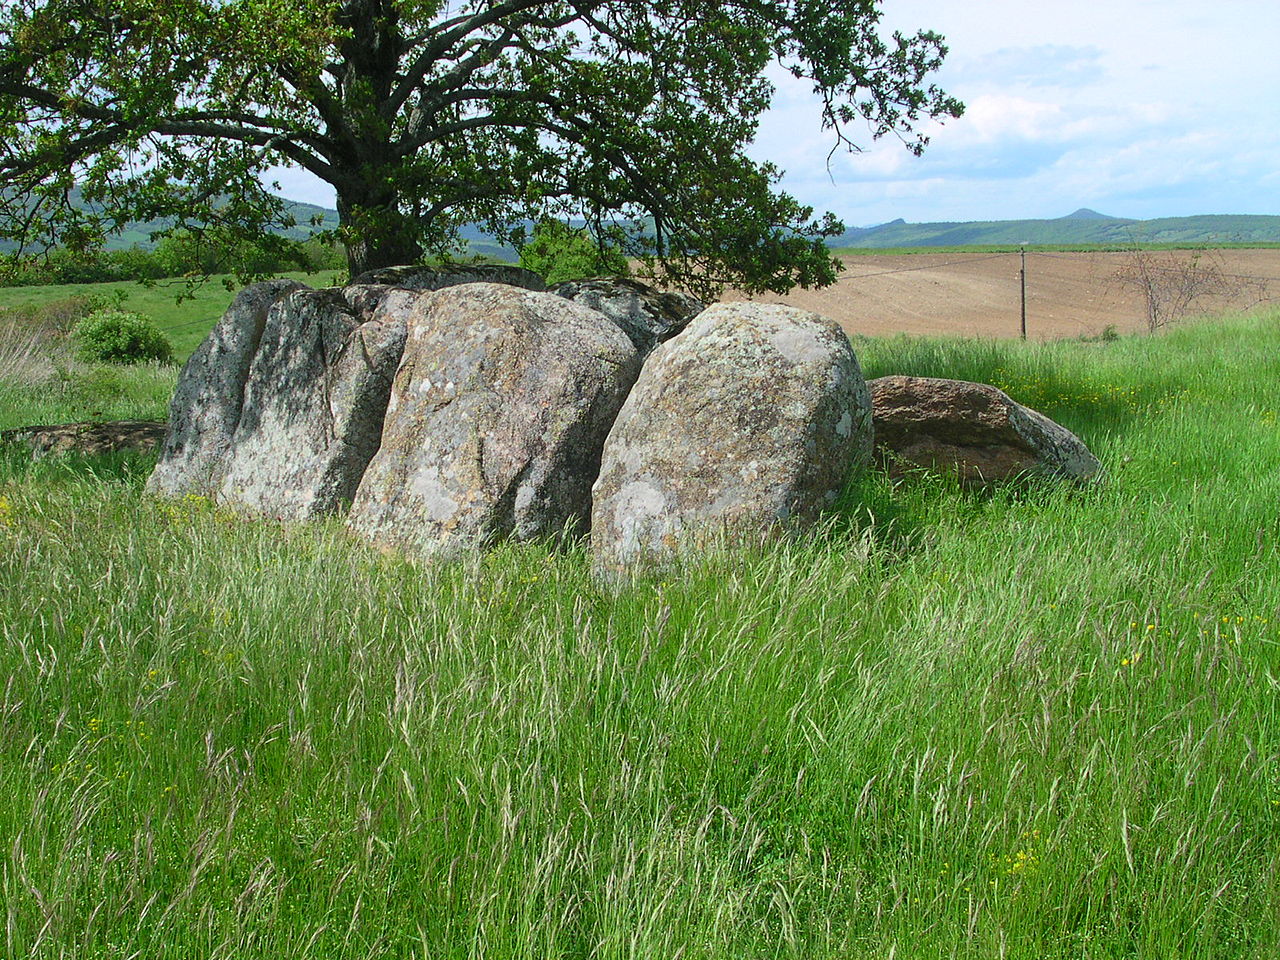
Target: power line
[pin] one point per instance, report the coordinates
(927, 266)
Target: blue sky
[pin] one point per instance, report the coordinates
(1135, 108)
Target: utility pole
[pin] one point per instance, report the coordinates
(1022, 250)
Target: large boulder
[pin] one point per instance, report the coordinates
(749, 421)
(971, 429)
(437, 278)
(497, 417)
(314, 400)
(207, 402)
(647, 316)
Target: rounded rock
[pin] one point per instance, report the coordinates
(747, 423)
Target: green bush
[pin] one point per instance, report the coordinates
(559, 252)
(120, 336)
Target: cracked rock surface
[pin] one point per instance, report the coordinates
(314, 400)
(207, 402)
(88, 438)
(646, 315)
(496, 420)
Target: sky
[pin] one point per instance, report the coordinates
(1133, 108)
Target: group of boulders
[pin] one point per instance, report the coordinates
(448, 410)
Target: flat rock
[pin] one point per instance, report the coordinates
(90, 439)
(314, 400)
(973, 430)
(206, 405)
(748, 422)
(497, 417)
(647, 316)
(437, 278)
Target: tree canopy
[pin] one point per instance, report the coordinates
(425, 115)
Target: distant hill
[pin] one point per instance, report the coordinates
(1082, 227)
(310, 219)
(1084, 213)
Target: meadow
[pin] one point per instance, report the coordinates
(183, 311)
(1040, 722)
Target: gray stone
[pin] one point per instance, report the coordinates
(496, 420)
(973, 430)
(647, 316)
(437, 278)
(365, 298)
(89, 438)
(206, 405)
(748, 422)
(315, 399)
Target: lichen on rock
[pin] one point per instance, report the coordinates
(496, 421)
(315, 399)
(747, 423)
(207, 403)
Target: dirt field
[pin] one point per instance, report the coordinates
(976, 295)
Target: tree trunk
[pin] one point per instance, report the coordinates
(378, 233)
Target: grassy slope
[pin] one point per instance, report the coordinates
(1037, 724)
(185, 322)
(74, 393)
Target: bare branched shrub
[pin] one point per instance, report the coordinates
(1172, 283)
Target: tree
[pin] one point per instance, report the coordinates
(562, 252)
(426, 115)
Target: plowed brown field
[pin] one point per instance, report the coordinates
(977, 295)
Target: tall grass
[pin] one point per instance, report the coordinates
(42, 382)
(22, 355)
(64, 391)
(1037, 723)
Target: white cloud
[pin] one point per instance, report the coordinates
(1136, 107)
(297, 184)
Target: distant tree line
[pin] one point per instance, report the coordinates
(183, 254)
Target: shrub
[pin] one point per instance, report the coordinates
(120, 336)
(560, 252)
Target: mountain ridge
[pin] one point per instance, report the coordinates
(1084, 226)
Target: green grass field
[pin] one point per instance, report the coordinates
(1040, 723)
(185, 321)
